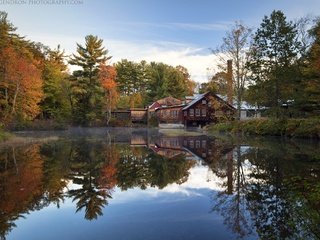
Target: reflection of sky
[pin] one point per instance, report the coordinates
(174, 212)
(200, 182)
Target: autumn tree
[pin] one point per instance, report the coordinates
(23, 85)
(235, 47)
(20, 74)
(107, 76)
(86, 88)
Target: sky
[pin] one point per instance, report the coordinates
(176, 32)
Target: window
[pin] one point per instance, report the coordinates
(198, 144)
(191, 144)
(198, 112)
(204, 112)
(204, 143)
(185, 113)
(191, 112)
(204, 101)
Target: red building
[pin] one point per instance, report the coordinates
(203, 109)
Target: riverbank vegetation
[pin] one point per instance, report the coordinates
(276, 68)
(307, 128)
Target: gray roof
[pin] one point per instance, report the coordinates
(196, 99)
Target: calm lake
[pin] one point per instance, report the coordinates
(145, 184)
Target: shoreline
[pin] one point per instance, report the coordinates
(289, 128)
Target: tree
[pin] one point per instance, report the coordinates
(20, 74)
(22, 85)
(132, 80)
(55, 104)
(274, 50)
(86, 88)
(107, 76)
(235, 47)
(188, 82)
(310, 97)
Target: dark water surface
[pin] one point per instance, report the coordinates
(140, 184)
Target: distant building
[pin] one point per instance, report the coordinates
(247, 111)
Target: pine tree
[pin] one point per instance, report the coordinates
(274, 50)
(86, 88)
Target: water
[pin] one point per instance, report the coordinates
(140, 184)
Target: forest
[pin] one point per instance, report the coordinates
(275, 65)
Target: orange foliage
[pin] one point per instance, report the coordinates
(107, 76)
(108, 172)
(23, 183)
(23, 81)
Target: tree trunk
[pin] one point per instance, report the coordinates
(15, 98)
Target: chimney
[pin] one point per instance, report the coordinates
(229, 82)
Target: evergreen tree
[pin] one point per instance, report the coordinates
(310, 98)
(87, 92)
(274, 50)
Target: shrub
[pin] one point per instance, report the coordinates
(308, 128)
(275, 127)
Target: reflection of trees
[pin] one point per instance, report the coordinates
(232, 203)
(90, 163)
(280, 195)
(20, 185)
(142, 168)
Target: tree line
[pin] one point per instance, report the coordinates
(275, 67)
(35, 82)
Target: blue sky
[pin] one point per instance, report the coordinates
(171, 31)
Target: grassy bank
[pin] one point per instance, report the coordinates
(4, 135)
(306, 128)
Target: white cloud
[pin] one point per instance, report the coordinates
(196, 60)
(199, 179)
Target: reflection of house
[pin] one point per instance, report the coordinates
(203, 109)
(202, 148)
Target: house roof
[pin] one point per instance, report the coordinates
(167, 101)
(197, 98)
(166, 107)
(200, 96)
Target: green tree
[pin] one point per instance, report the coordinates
(310, 84)
(273, 52)
(86, 88)
(55, 104)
